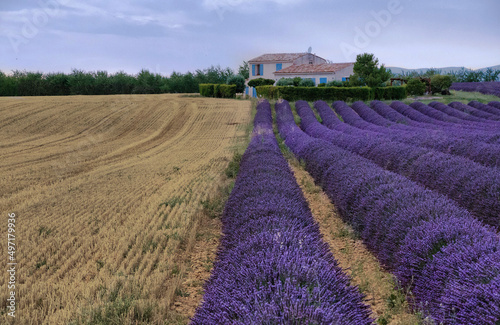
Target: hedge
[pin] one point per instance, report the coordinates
(390, 93)
(207, 90)
(261, 82)
(227, 91)
(330, 93)
(218, 90)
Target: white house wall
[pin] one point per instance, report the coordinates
(344, 73)
(269, 69)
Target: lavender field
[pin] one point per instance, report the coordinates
(420, 185)
(273, 267)
(487, 88)
(447, 255)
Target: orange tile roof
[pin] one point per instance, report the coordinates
(277, 57)
(314, 68)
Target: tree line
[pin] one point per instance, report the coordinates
(463, 75)
(79, 82)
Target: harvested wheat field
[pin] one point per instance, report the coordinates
(106, 191)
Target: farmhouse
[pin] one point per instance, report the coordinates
(290, 65)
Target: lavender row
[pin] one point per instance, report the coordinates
(490, 108)
(449, 260)
(470, 184)
(466, 119)
(454, 127)
(453, 117)
(272, 266)
(488, 88)
(495, 104)
(473, 111)
(452, 122)
(483, 153)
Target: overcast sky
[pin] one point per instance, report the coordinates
(165, 36)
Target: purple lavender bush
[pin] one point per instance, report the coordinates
(487, 88)
(494, 104)
(485, 108)
(471, 146)
(272, 266)
(448, 259)
(473, 111)
(469, 184)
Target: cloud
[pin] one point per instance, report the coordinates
(243, 6)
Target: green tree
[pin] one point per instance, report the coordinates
(148, 83)
(122, 83)
(102, 83)
(296, 81)
(307, 83)
(244, 70)
(81, 83)
(469, 76)
(432, 72)
(367, 72)
(491, 75)
(285, 82)
(415, 87)
(440, 84)
(8, 85)
(29, 83)
(237, 80)
(57, 84)
(260, 82)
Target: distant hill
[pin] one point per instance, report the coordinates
(446, 70)
(496, 67)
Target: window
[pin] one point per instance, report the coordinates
(322, 80)
(279, 66)
(257, 69)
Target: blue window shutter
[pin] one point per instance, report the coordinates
(253, 69)
(279, 66)
(254, 92)
(343, 78)
(314, 80)
(261, 69)
(322, 80)
(246, 90)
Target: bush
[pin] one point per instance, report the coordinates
(335, 83)
(307, 83)
(218, 90)
(268, 91)
(390, 93)
(296, 81)
(315, 93)
(207, 90)
(237, 80)
(227, 91)
(260, 82)
(415, 87)
(8, 85)
(285, 82)
(440, 84)
(322, 85)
